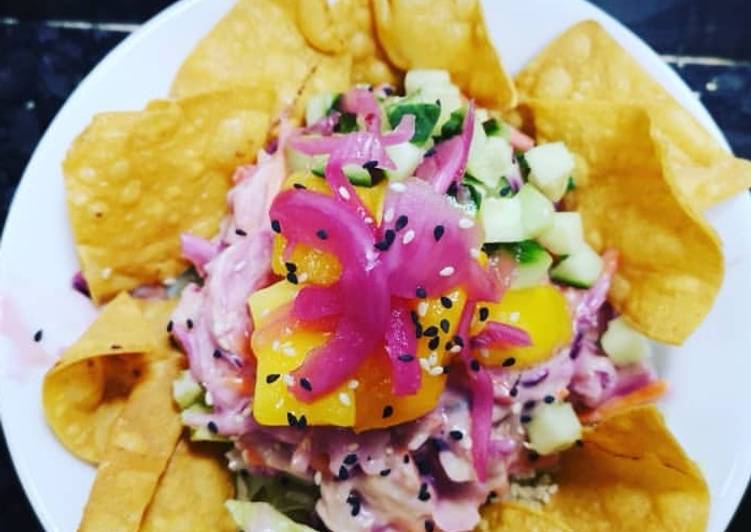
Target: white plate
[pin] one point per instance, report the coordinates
(705, 409)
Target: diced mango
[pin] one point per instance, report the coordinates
(264, 304)
(542, 311)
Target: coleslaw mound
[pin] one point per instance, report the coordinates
(421, 204)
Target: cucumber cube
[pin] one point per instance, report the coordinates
(185, 390)
(623, 344)
(532, 273)
(317, 107)
(491, 160)
(537, 210)
(407, 157)
(581, 269)
(565, 235)
(554, 427)
(261, 517)
(550, 166)
(357, 175)
(418, 79)
(502, 219)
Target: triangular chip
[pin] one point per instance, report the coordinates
(630, 475)
(87, 389)
(585, 63)
(671, 264)
(449, 35)
(136, 180)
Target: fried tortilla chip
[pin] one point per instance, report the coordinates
(136, 180)
(192, 492)
(671, 264)
(141, 443)
(332, 74)
(87, 389)
(629, 475)
(585, 63)
(347, 27)
(450, 35)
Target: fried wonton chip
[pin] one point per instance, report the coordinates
(630, 475)
(332, 74)
(585, 63)
(450, 35)
(141, 443)
(85, 392)
(136, 180)
(671, 264)
(192, 491)
(347, 27)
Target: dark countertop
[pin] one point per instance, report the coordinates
(48, 46)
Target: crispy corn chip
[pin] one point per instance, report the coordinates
(671, 264)
(192, 491)
(141, 442)
(585, 63)
(347, 27)
(87, 389)
(512, 516)
(450, 35)
(332, 74)
(136, 180)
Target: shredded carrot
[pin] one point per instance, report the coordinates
(646, 394)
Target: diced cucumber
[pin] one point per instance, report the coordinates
(554, 427)
(532, 263)
(581, 269)
(565, 235)
(200, 433)
(358, 175)
(623, 344)
(550, 166)
(185, 390)
(490, 161)
(407, 157)
(426, 116)
(537, 211)
(298, 161)
(318, 106)
(261, 517)
(418, 79)
(502, 219)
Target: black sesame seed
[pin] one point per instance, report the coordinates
(484, 313)
(415, 317)
(388, 411)
(302, 422)
(424, 494)
(355, 509)
(350, 459)
(458, 340)
(217, 353)
(212, 427)
(291, 266)
(405, 459)
(510, 361)
(434, 343)
(418, 330)
(406, 357)
(388, 91)
(276, 226)
(446, 370)
(240, 232)
(305, 383)
(513, 392)
(385, 472)
(170, 325)
(475, 365)
(579, 443)
(370, 165)
(421, 292)
(445, 325)
(449, 345)
(401, 222)
(492, 495)
(446, 302)
(453, 189)
(115, 347)
(343, 473)
(525, 418)
(189, 323)
(438, 231)
(430, 152)
(456, 435)
(292, 277)
(430, 331)
(532, 456)
(291, 419)
(529, 404)
(322, 234)
(272, 378)
(429, 526)
(549, 399)
(299, 186)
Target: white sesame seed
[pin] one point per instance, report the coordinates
(398, 187)
(353, 384)
(275, 345)
(485, 352)
(208, 398)
(302, 277)
(433, 358)
(422, 308)
(288, 379)
(436, 370)
(516, 408)
(474, 253)
(353, 446)
(344, 193)
(466, 223)
(447, 271)
(388, 216)
(368, 220)
(317, 478)
(424, 364)
(344, 399)
(106, 273)
(389, 450)
(408, 237)
(456, 349)
(289, 351)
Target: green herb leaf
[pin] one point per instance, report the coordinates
(426, 115)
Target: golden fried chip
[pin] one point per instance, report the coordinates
(332, 74)
(347, 27)
(449, 35)
(141, 442)
(136, 180)
(87, 389)
(671, 264)
(630, 474)
(585, 63)
(192, 491)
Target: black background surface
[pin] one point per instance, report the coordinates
(707, 42)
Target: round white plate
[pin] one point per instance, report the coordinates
(705, 409)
